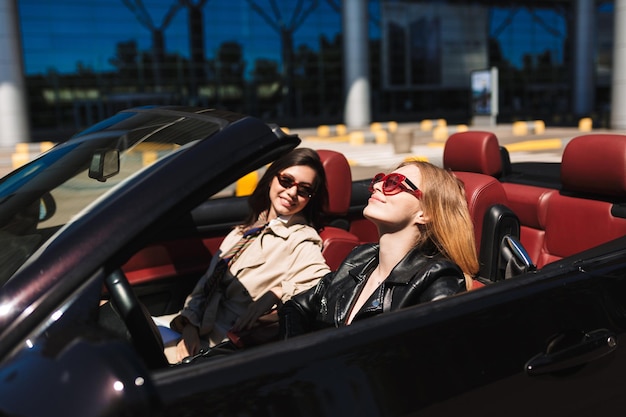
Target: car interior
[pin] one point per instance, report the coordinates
(525, 216)
(561, 212)
(164, 272)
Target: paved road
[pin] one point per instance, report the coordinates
(370, 155)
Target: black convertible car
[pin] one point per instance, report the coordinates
(117, 223)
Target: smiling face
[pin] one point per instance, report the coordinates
(286, 201)
(397, 211)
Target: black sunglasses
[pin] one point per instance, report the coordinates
(287, 181)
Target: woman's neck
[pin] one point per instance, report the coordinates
(393, 247)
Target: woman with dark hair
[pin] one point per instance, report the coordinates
(425, 252)
(259, 200)
(273, 255)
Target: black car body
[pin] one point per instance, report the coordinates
(546, 342)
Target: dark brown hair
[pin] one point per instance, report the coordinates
(259, 200)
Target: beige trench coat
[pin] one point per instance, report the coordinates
(287, 254)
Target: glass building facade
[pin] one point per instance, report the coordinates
(282, 60)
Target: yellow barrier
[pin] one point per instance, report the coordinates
(429, 124)
(149, 157)
(523, 128)
(36, 147)
(384, 126)
(585, 124)
(416, 158)
(442, 132)
(535, 145)
(19, 159)
(360, 137)
(246, 184)
(25, 152)
(325, 131)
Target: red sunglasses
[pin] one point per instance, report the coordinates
(287, 181)
(392, 184)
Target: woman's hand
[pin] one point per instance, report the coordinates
(189, 344)
(178, 323)
(255, 310)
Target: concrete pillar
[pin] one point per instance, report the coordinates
(618, 83)
(584, 80)
(13, 112)
(357, 112)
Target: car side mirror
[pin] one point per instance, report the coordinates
(47, 207)
(104, 164)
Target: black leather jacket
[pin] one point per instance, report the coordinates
(417, 278)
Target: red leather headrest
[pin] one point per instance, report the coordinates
(595, 164)
(338, 181)
(473, 151)
(481, 191)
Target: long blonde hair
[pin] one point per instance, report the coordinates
(450, 227)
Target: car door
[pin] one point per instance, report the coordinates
(544, 343)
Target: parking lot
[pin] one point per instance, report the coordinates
(372, 151)
(370, 157)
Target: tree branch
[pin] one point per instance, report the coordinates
(138, 9)
(174, 8)
(265, 16)
(297, 21)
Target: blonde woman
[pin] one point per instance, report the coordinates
(425, 252)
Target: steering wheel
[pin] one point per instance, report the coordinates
(144, 333)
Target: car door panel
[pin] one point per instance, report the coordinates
(467, 352)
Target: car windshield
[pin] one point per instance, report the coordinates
(41, 197)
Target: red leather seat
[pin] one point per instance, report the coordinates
(337, 240)
(482, 192)
(473, 151)
(529, 203)
(586, 211)
(475, 159)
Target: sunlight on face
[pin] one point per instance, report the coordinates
(287, 201)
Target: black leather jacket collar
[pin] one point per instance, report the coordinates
(422, 275)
